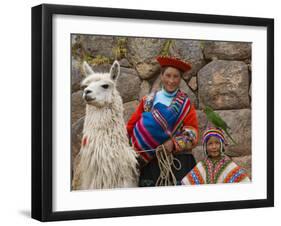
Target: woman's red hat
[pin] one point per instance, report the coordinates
(173, 62)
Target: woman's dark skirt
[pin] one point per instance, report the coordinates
(150, 172)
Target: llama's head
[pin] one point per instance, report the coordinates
(99, 88)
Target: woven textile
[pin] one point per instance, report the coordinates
(159, 125)
(222, 171)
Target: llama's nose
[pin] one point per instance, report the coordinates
(87, 91)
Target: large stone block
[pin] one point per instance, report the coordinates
(227, 50)
(224, 85)
(76, 74)
(145, 89)
(143, 49)
(78, 106)
(98, 45)
(191, 51)
(142, 53)
(148, 70)
(128, 84)
(193, 83)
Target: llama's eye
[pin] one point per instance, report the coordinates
(105, 86)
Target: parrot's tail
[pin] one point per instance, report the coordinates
(230, 137)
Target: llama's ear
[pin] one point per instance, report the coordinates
(114, 70)
(87, 69)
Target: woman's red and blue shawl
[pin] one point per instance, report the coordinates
(159, 125)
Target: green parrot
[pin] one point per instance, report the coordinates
(214, 118)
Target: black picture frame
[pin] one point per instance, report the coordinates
(42, 108)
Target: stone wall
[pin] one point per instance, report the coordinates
(220, 77)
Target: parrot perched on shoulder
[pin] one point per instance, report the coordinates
(214, 118)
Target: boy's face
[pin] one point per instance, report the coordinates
(213, 147)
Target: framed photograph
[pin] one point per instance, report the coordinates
(146, 112)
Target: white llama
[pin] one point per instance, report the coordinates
(106, 159)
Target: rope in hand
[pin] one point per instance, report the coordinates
(166, 162)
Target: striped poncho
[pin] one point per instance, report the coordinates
(209, 172)
(158, 125)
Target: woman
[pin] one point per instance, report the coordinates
(165, 120)
(217, 167)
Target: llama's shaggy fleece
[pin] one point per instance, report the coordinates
(106, 159)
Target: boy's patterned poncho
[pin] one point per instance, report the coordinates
(209, 172)
(150, 126)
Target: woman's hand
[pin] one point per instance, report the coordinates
(169, 146)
